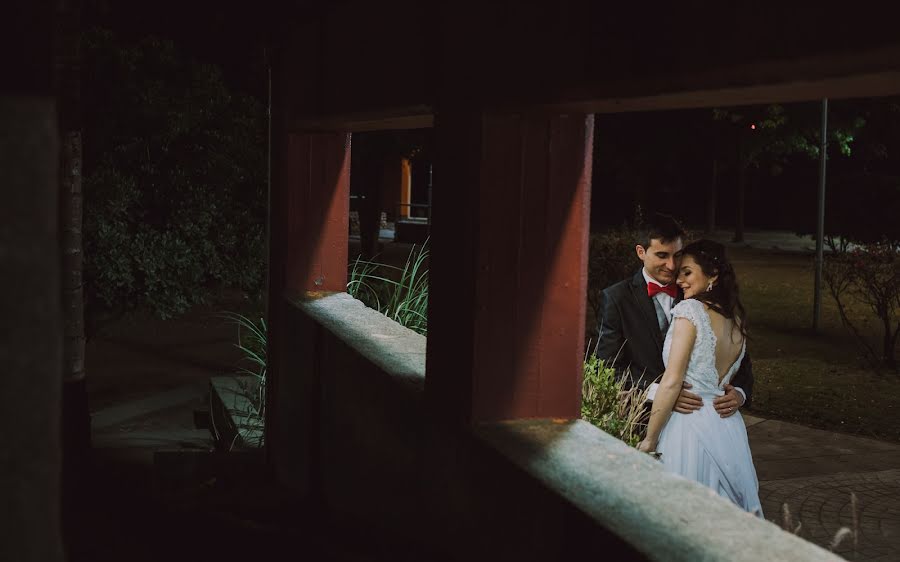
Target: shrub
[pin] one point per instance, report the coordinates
(252, 340)
(869, 275)
(611, 258)
(606, 403)
(174, 187)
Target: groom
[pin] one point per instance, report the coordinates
(636, 315)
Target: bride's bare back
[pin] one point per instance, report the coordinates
(729, 341)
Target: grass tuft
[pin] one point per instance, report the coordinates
(400, 293)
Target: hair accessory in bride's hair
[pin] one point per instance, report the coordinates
(715, 259)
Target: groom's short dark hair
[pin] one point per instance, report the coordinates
(659, 227)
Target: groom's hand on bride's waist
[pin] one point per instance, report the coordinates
(727, 404)
(687, 402)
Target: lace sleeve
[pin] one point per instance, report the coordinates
(690, 309)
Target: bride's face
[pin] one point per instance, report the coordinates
(691, 278)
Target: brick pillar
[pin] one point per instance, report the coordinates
(509, 266)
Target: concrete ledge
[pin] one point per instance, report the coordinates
(664, 516)
(396, 350)
(352, 392)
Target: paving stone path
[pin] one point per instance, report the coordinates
(815, 473)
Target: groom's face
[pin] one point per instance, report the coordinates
(661, 259)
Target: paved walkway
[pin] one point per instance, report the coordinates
(778, 240)
(815, 472)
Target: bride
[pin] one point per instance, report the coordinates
(704, 346)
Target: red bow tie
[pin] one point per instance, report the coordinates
(670, 289)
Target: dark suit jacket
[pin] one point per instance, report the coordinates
(629, 332)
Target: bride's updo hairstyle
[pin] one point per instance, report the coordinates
(723, 298)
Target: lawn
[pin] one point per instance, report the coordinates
(820, 380)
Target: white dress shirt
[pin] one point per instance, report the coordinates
(665, 301)
(662, 298)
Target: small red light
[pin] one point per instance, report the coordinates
(753, 127)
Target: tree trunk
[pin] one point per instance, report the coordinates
(742, 168)
(76, 428)
(741, 197)
(888, 353)
(76, 417)
(711, 200)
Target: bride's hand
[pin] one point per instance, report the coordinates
(646, 446)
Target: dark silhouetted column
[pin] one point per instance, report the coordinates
(31, 340)
(509, 266)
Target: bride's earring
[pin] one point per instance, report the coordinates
(709, 287)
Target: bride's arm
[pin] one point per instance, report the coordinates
(683, 335)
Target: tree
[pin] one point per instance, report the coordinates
(175, 180)
(863, 194)
(76, 422)
(869, 275)
(765, 137)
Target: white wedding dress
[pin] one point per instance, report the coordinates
(702, 446)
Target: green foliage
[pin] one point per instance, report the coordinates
(606, 403)
(401, 294)
(863, 192)
(869, 275)
(252, 339)
(174, 181)
(611, 258)
(769, 134)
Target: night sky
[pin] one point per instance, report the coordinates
(660, 160)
